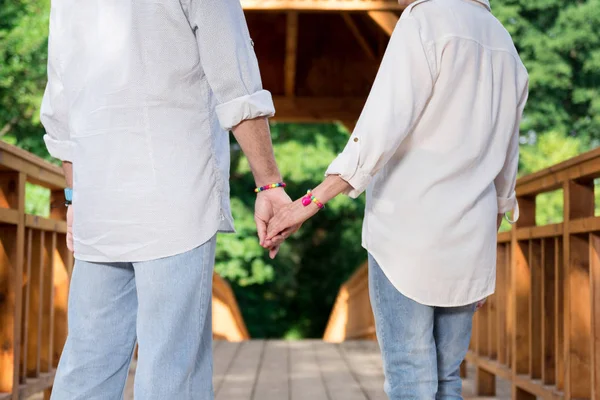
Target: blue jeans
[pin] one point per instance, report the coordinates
(422, 346)
(164, 305)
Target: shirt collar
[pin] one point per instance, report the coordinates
(485, 3)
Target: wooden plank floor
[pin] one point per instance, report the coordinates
(304, 370)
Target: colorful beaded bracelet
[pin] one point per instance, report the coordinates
(309, 198)
(271, 186)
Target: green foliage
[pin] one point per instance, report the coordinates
(292, 295)
(23, 58)
(559, 42)
(37, 200)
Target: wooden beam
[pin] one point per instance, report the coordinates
(38, 171)
(359, 36)
(323, 5)
(318, 109)
(12, 193)
(386, 20)
(291, 51)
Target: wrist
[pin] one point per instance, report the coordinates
(270, 186)
(332, 186)
(271, 192)
(263, 181)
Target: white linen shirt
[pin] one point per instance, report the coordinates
(437, 145)
(140, 97)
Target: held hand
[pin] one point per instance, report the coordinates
(287, 221)
(70, 228)
(267, 204)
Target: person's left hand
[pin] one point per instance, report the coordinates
(287, 221)
(267, 203)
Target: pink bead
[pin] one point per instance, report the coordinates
(306, 201)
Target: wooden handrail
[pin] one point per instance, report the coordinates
(541, 329)
(35, 266)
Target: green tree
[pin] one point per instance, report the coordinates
(23, 58)
(559, 42)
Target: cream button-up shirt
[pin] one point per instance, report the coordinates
(140, 97)
(437, 146)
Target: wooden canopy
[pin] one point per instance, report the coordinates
(319, 57)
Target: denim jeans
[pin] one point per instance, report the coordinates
(422, 346)
(164, 305)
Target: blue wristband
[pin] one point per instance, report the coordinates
(69, 196)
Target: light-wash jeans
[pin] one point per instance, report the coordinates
(164, 304)
(422, 346)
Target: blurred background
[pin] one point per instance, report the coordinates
(291, 297)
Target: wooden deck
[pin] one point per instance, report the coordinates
(304, 370)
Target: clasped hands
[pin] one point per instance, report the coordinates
(277, 217)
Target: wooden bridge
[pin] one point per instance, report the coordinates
(537, 337)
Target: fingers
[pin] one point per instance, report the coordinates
(261, 228)
(480, 304)
(273, 252)
(276, 225)
(280, 238)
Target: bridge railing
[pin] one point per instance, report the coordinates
(35, 266)
(541, 329)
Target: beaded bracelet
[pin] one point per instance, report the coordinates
(271, 186)
(309, 198)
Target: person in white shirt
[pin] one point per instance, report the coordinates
(139, 101)
(437, 146)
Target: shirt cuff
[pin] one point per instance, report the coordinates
(60, 149)
(346, 166)
(258, 104)
(506, 204)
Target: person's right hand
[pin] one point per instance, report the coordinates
(268, 202)
(70, 228)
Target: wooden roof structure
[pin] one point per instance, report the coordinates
(319, 57)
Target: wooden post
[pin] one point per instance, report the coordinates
(34, 336)
(579, 203)
(26, 302)
(535, 309)
(559, 306)
(595, 287)
(291, 53)
(510, 301)
(521, 289)
(501, 288)
(46, 353)
(548, 311)
(12, 239)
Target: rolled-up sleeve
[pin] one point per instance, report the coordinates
(54, 110)
(229, 62)
(506, 180)
(401, 90)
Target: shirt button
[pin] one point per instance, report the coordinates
(355, 139)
